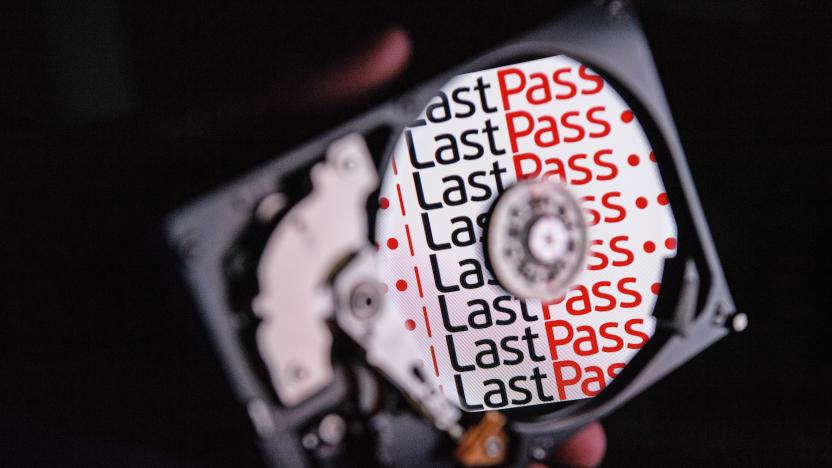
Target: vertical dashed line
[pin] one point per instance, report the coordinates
(409, 240)
(433, 356)
(413, 253)
(427, 320)
(401, 201)
(418, 281)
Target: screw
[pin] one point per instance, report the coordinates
(332, 429)
(365, 300)
(739, 322)
(309, 441)
(493, 447)
(297, 372)
(348, 163)
(538, 453)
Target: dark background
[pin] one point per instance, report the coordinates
(102, 358)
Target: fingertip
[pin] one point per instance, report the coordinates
(585, 448)
(381, 61)
(397, 47)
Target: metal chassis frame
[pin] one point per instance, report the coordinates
(609, 40)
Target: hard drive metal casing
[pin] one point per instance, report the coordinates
(694, 310)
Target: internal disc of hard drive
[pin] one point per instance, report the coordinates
(523, 227)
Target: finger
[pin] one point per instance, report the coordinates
(358, 75)
(585, 448)
(180, 125)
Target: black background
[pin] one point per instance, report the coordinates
(103, 359)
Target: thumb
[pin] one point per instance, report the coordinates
(355, 77)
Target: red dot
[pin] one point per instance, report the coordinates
(655, 288)
(670, 243)
(662, 199)
(641, 202)
(649, 246)
(627, 116)
(652, 157)
(410, 324)
(384, 203)
(633, 160)
(392, 243)
(401, 285)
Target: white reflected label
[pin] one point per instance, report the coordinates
(548, 118)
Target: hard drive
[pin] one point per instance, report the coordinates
(470, 272)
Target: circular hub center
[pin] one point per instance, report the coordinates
(547, 240)
(536, 239)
